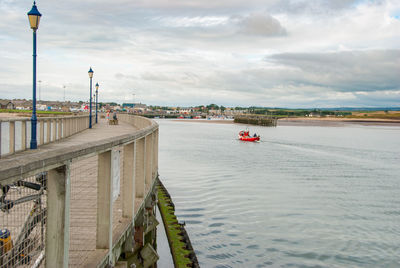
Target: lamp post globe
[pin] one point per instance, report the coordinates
(97, 98)
(34, 19)
(90, 72)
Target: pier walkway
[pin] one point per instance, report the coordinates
(85, 201)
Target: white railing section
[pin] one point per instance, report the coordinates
(15, 133)
(76, 212)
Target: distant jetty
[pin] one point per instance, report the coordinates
(259, 120)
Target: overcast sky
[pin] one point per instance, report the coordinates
(275, 53)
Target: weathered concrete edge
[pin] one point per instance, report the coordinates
(29, 163)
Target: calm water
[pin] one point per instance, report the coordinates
(303, 197)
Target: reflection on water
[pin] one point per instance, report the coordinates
(303, 197)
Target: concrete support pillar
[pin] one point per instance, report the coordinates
(23, 135)
(57, 223)
(149, 160)
(104, 202)
(41, 129)
(12, 137)
(128, 177)
(48, 122)
(140, 170)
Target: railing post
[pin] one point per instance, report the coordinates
(48, 122)
(23, 135)
(149, 160)
(140, 170)
(57, 223)
(64, 127)
(11, 137)
(104, 202)
(71, 126)
(41, 131)
(59, 129)
(128, 177)
(67, 127)
(54, 129)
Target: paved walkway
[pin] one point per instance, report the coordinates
(99, 132)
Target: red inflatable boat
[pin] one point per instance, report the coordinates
(245, 136)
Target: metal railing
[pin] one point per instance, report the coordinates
(77, 206)
(15, 133)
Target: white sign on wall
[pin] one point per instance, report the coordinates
(115, 173)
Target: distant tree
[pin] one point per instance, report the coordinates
(212, 107)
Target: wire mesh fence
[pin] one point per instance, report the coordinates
(22, 222)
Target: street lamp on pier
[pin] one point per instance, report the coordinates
(90, 72)
(34, 18)
(97, 98)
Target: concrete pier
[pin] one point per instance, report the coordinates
(99, 189)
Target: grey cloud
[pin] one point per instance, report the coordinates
(157, 77)
(261, 24)
(345, 71)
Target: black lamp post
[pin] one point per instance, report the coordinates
(90, 106)
(34, 18)
(97, 98)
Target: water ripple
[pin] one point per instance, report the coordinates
(307, 197)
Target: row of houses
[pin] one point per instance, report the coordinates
(137, 108)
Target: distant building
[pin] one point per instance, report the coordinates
(128, 105)
(6, 104)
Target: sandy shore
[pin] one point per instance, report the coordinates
(305, 121)
(329, 121)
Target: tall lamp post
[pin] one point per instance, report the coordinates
(34, 18)
(97, 98)
(90, 106)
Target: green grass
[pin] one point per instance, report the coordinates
(178, 248)
(393, 116)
